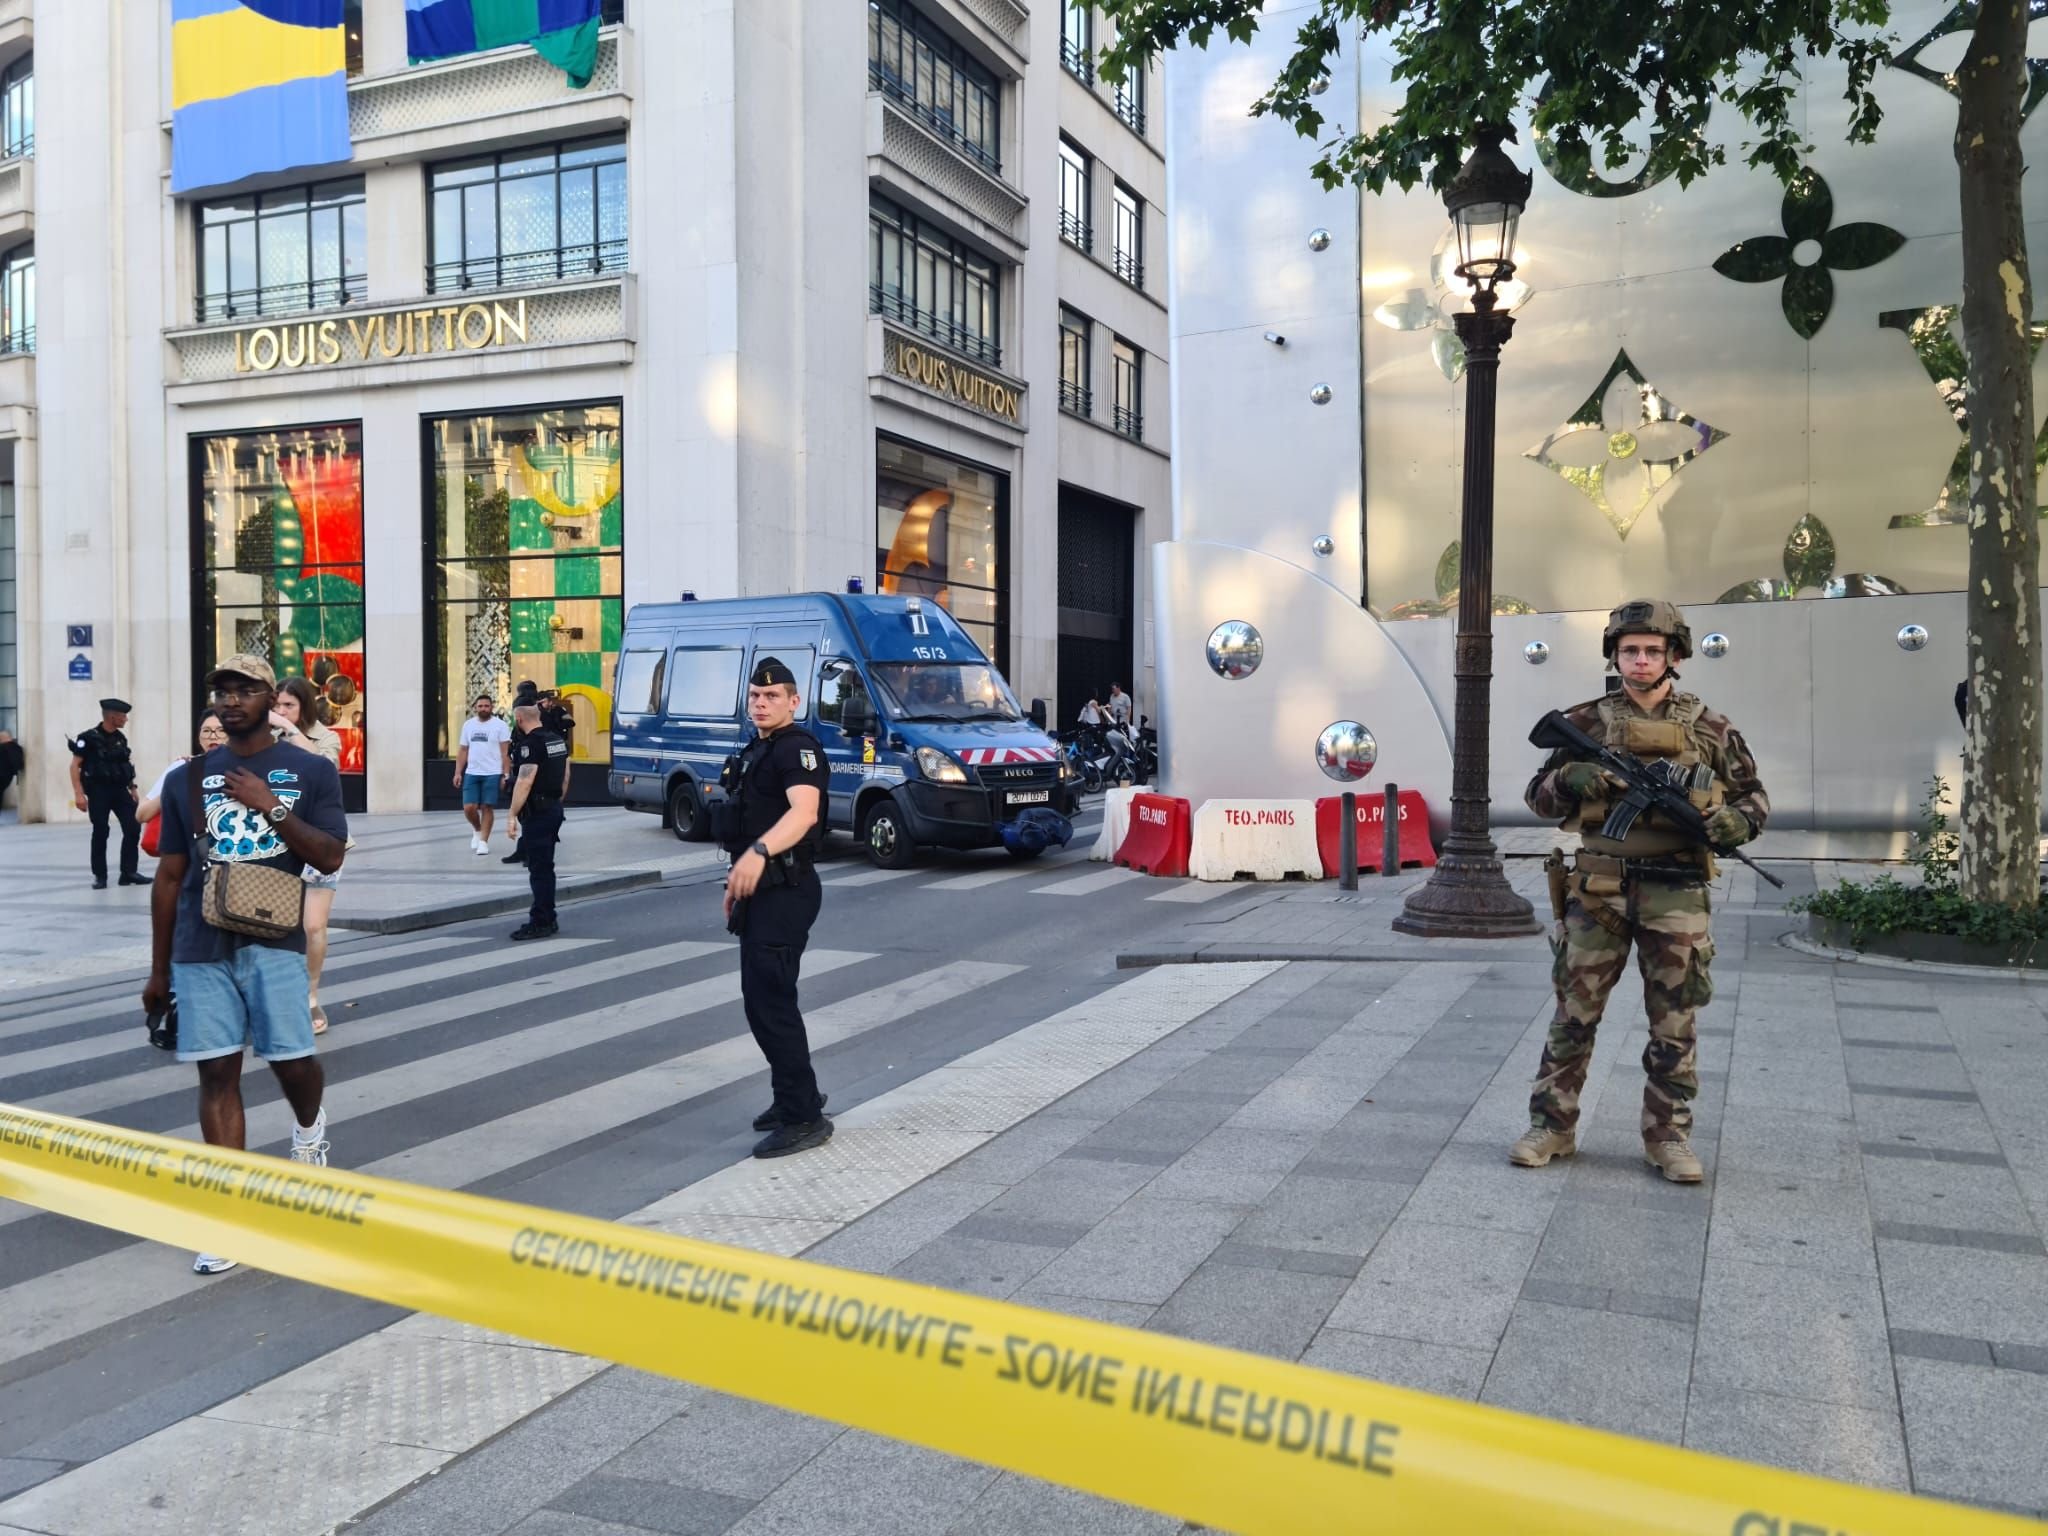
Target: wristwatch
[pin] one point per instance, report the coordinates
(762, 849)
(277, 813)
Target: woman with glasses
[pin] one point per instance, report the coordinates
(210, 736)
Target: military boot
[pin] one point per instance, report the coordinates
(1538, 1146)
(1680, 1164)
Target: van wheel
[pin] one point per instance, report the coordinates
(887, 839)
(686, 813)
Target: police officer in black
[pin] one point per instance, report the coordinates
(771, 827)
(540, 768)
(103, 784)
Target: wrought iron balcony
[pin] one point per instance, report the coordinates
(944, 329)
(1127, 266)
(1077, 61)
(283, 298)
(1076, 398)
(1129, 423)
(1075, 231)
(522, 269)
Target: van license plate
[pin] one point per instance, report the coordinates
(1028, 796)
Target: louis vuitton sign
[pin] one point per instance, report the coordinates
(380, 338)
(928, 368)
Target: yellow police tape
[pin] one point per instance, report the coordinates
(1230, 1440)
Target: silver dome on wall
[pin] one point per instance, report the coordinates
(1319, 239)
(1346, 751)
(1913, 637)
(1536, 652)
(1714, 646)
(1324, 544)
(1235, 650)
(1321, 394)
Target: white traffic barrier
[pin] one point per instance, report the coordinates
(1116, 822)
(1257, 839)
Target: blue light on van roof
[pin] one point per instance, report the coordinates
(853, 586)
(689, 596)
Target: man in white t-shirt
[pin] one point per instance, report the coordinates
(480, 771)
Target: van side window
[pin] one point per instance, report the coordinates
(840, 683)
(705, 683)
(638, 689)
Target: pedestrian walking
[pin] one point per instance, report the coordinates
(149, 810)
(12, 761)
(1647, 889)
(1118, 706)
(540, 767)
(103, 785)
(481, 772)
(298, 704)
(258, 802)
(772, 897)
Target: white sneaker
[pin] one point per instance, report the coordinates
(481, 846)
(311, 1146)
(211, 1264)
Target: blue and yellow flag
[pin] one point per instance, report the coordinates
(256, 85)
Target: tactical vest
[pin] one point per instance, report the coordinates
(1675, 735)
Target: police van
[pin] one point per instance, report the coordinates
(926, 742)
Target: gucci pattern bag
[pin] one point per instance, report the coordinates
(256, 900)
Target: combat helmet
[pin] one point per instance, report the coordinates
(1652, 616)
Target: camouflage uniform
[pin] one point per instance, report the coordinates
(1649, 890)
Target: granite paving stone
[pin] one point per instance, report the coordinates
(1024, 1506)
(865, 1483)
(1791, 1141)
(1951, 1126)
(1324, 1215)
(1857, 1445)
(983, 1266)
(1231, 1165)
(1142, 1251)
(727, 1445)
(1070, 1188)
(1476, 1186)
(1775, 1218)
(1814, 1334)
(651, 1506)
(1947, 1195)
(1440, 1284)
(1270, 1312)
(1975, 1433)
(1966, 1291)
(1612, 1371)
(1450, 1370)
(1659, 1251)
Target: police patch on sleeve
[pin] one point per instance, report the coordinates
(808, 758)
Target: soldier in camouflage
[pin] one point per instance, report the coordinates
(1648, 889)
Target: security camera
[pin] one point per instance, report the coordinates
(1276, 338)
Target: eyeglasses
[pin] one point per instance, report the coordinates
(230, 695)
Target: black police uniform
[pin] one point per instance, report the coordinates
(540, 821)
(107, 774)
(775, 922)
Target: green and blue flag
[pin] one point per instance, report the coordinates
(564, 32)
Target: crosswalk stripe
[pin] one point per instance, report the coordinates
(89, 1295)
(174, 1077)
(1197, 890)
(334, 997)
(510, 1140)
(1089, 884)
(870, 877)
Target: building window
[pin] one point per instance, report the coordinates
(612, 13)
(1077, 39)
(931, 77)
(1075, 395)
(272, 253)
(1127, 387)
(525, 578)
(941, 528)
(1129, 99)
(18, 108)
(278, 564)
(18, 300)
(922, 278)
(539, 215)
(1077, 173)
(352, 37)
(1127, 235)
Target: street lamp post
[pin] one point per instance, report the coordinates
(1467, 896)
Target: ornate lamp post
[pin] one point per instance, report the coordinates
(1467, 895)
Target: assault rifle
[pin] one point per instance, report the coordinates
(1660, 786)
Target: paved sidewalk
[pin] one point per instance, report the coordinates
(1314, 1168)
(406, 871)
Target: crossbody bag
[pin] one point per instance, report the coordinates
(257, 900)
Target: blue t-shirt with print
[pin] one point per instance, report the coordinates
(235, 834)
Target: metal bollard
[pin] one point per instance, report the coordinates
(1390, 833)
(1347, 843)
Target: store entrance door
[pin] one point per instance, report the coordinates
(1097, 600)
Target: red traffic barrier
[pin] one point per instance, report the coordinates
(1157, 842)
(1372, 817)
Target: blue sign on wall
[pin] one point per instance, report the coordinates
(81, 669)
(78, 636)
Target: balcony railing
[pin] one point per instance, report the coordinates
(1075, 231)
(18, 149)
(18, 343)
(283, 298)
(1128, 422)
(1076, 59)
(1076, 398)
(941, 120)
(520, 269)
(1127, 266)
(943, 329)
(1131, 108)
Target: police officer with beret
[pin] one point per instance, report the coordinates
(771, 826)
(103, 784)
(540, 767)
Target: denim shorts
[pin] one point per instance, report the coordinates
(256, 997)
(485, 789)
(315, 881)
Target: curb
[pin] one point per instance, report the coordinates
(495, 906)
(1806, 946)
(1411, 952)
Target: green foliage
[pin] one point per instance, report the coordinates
(1936, 905)
(1600, 75)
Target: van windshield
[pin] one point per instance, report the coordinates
(944, 690)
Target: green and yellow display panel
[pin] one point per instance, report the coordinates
(527, 542)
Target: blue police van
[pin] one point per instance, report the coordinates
(926, 742)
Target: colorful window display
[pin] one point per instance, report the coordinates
(278, 563)
(941, 528)
(526, 543)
